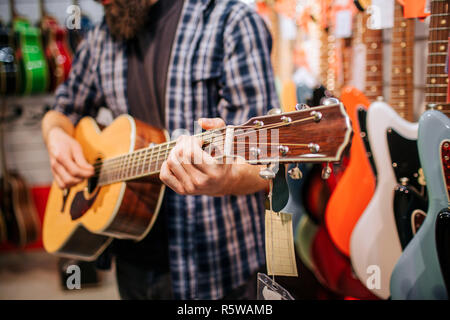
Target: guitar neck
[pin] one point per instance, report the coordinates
(402, 83)
(373, 40)
(146, 161)
(437, 77)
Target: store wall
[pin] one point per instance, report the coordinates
(57, 8)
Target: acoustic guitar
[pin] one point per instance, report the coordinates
(21, 222)
(29, 52)
(347, 203)
(57, 51)
(9, 75)
(115, 202)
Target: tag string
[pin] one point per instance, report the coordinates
(271, 226)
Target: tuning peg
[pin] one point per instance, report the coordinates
(274, 111)
(295, 173)
(268, 173)
(330, 101)
(301, 106)
(326, 172)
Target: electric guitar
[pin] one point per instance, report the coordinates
(9, 79)
(57, 52)
(418, 273)
(115, 202)
(375, 240)
(347, 203)
(443, 240)
(29, 52)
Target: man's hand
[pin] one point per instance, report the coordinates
(67, 161)
(189, 170)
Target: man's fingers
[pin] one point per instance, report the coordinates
(66, 178)
(77, 154)
(169, 179)
(211, 123)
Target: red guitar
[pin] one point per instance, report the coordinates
(56, 46)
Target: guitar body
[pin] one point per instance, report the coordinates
(357, 184)
(21, 218)
(33, 65)
(80, 223)
(374, 240)
(417, 274)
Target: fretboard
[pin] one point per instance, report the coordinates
(144, 162)
(437, 78)
(374, 61)
(402, 83)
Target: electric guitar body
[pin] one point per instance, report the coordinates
(81, 222)
(357, 184)
(374, 240)
(417, 274)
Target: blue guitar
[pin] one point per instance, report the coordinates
(418, 274)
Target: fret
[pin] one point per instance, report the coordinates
(439, 28)
(151, 160)
(438, 54)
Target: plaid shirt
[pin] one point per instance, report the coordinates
(219, 67)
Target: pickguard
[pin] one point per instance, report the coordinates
(362, 117)
(404, 158)
(80, 205)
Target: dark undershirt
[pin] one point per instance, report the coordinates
(148, 61)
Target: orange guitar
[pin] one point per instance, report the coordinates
(357, 184)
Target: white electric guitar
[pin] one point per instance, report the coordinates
(374, 243)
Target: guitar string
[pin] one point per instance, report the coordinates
(143, 162)
(159, 146)
(143, 154)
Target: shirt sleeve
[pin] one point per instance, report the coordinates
(247, 87)
(80, 94)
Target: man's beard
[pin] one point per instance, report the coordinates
(125, 18)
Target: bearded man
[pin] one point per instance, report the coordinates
(169, 63)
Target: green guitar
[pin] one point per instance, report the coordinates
(33, 67)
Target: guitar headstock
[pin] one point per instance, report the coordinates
(318, 134)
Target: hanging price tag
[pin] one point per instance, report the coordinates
(343, 24)
(280, 254)
(381, 14)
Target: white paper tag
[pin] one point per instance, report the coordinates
(288, 28)
(381, 14)
(343, 26)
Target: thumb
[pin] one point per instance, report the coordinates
(211, 123)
